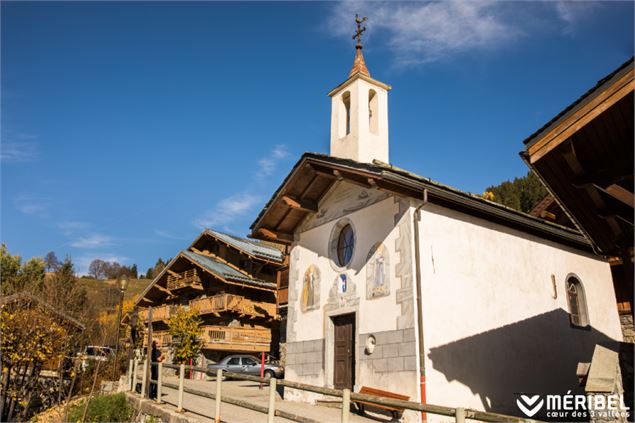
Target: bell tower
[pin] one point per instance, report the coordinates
(359, 112)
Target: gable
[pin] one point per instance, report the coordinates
(344, 198)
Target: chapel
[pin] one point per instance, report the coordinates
(402, 283)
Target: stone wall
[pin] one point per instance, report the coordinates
(306, 357)
(626, 320)
(395, 351)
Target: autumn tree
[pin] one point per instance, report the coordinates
(97, 269)
(40, 321)
(185, 328)
(51, 260)
(18, 276)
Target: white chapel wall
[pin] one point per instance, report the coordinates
(387, 314)
(492, 328)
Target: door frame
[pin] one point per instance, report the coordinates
(329, 345)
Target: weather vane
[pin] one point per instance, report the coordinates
(360, 29)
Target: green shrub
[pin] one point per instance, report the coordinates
(103, 408)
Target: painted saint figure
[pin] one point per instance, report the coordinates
(310, 288)
(377, 272)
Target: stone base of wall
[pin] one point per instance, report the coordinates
(628, 331)
(306, 357)
(395, 351)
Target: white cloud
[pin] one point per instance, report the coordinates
(227, 210)
(269, 163)
(32, 205)
(18, 148)
(92, 241)
(69, 227)
(424, 32)
(572, 12)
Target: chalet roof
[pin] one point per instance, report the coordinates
(584, 156)
(253, 248)
(224, 271)
(581, 101)
(314, 174)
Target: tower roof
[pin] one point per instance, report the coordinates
(359, 65)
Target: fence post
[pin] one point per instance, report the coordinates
(271, 412)
(179, 408)
(159, 383)
(459, 415)
(219, 389)
(144, 379)
(346, 404)
(134, 376)
(129, 380)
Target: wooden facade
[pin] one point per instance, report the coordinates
(238, 287)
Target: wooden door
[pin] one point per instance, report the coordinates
(344, 362)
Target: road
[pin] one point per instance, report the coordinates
(202, 408)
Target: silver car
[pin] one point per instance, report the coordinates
(246, 364)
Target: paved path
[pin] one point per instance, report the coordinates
(202, 408)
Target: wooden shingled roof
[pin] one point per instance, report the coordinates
(315, 174)
(584, 156)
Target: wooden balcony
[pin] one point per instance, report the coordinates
(159, 314)
(236, 339)
(162, 337)
(189, 278)
(234, 303)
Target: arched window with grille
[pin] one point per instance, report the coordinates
(578, 311)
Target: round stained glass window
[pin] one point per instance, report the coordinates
(345, 245)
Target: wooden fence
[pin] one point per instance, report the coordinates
(459, 414)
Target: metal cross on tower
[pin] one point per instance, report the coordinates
(360, 29)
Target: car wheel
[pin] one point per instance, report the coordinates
(268, 374)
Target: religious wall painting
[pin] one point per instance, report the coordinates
(377, 272)
(310, 299)
(342, 292)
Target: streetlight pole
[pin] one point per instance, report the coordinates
(123, 284)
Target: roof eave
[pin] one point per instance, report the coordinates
(358, 75)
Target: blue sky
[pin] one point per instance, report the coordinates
(127, 127)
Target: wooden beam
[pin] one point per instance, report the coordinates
(160, 288)
(328, 175)
(300, 204)
(372, 182)
(602, 177)
(280, 236)
(173, 273)
(338, 174)
(622, 194)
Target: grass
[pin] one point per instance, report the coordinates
(108, 290)
(102, 408)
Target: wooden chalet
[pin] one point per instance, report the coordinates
(234, 283)
(584, 156)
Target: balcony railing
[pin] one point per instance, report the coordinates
(233, 303)
(184, 279)
(162, 337)
(159, 314)
(236, 339)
